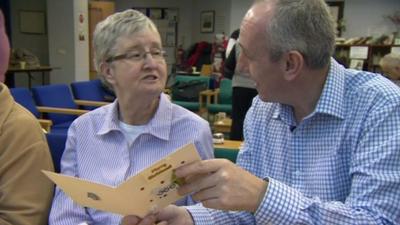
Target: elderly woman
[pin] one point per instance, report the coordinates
(390, 65)
(112, 143)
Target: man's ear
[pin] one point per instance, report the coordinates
(397, 72)
(107, 72)
(294, 64)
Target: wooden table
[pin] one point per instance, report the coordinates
(229, 144)
(188, 73)
(228, 150)
(223, 126)
(28, 70)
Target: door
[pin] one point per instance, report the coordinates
(98, 11)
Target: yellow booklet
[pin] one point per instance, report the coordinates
(153, 188)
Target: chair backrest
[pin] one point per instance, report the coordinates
(225, 92)
(24, 97)
(56, 95)
(88, 90)
(57, 145)
(206, 70)
(195, 84)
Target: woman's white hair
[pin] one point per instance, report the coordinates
(109, 30)
(116, 25)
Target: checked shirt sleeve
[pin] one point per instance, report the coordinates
(374, 195)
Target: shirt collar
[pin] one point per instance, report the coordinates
(158, 126)
(331, 99)
(111, 121)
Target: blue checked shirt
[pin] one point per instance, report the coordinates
(340, 165)
(97, 150)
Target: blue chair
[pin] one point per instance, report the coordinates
(90, 90)
(24, 97)
(56, 144)
(57, 96)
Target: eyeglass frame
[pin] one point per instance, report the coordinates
(141, 58)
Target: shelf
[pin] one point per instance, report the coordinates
(374, 54)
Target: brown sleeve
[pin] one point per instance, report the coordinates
(25, 193)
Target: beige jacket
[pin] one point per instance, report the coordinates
(25, 193)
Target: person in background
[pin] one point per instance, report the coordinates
(321, 141)
(231, 42)
(390, 65)
(115, 142)
(25, 192)
(243, 90)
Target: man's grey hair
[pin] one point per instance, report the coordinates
(116, 25)
(302, 25)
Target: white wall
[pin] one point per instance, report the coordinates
(366, 17)
(35, 43)
(24, 40)
(65, 51)
(222, 18)
(238, 10)
(81, 28)
(185, 8)
(189, 16)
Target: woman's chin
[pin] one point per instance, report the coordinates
(152, 91)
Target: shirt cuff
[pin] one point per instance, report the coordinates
(281, 204)
(200, 214)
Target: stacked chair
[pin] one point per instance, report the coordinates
(56, 144)
(189, 83)
(24, 97)
(222, 98)
(57, 96)
(53, 102)
(91, 90)
(57, 103)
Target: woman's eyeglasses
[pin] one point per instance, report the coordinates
(139, 56)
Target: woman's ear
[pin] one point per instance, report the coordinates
(294, 64)
(106, 70)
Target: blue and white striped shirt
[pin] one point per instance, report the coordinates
(340, 165)
(97, 150)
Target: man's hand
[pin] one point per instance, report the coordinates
(170, 215)
(220, 184)
(174, 215)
